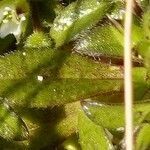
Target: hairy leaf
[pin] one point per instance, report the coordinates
(34, 93)
(54, 77)
(38, 40)
(76, 17)
(104, 42)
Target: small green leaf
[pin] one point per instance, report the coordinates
(102, 40)
(91, 135)
(38, 40)
(118, 12)
(11, 126)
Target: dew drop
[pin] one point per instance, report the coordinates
(87, 103)
(40, 78)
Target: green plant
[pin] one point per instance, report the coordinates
(61, 74)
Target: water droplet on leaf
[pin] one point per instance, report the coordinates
(40, 78)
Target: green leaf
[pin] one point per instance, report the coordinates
(103, 40)
(57, 77)
(91, 135)
(76, 17)
(34, 93)
(11, 126)
(54, 77)
(106, 43)
(102, 114)
(142, 139)
(38, 40)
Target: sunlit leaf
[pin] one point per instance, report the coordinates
(91, 135)
(54, 77)
(76, 17)
(105, 43)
